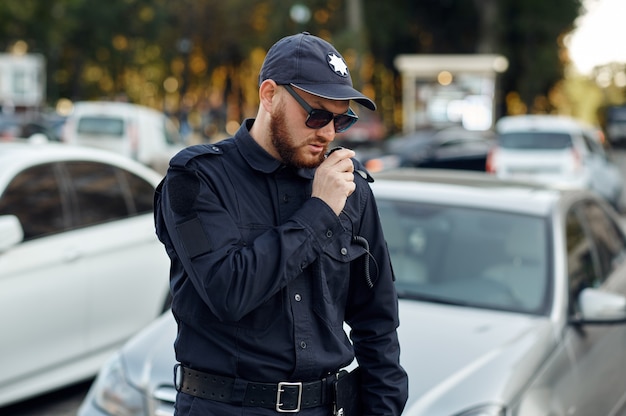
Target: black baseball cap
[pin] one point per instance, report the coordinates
(312, 65)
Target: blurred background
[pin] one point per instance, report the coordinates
(198, 60)
(442, 73)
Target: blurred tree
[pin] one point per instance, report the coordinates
(531, 34)
(528, 33)
(93, 49)
(204, 53)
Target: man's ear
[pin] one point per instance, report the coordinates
(267, 94)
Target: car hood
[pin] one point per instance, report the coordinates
(459, 357)
(456, 357)
(149, 356)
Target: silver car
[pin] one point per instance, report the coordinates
(557, 150)
(512, 302)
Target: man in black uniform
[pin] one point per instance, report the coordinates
(274, 245)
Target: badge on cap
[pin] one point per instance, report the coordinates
(337, 64)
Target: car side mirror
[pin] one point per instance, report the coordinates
(600, 307)
(11, 232)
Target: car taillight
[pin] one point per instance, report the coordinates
(374, 165)
(490, 165)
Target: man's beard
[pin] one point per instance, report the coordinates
(285, 146)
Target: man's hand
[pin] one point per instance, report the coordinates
(334, 179)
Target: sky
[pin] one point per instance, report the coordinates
(600, 36)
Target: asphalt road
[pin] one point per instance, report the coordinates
(63, 402)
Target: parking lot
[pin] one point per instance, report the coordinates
(66, 402)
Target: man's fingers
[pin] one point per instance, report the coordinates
(340, 153)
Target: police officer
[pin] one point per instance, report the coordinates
(274, 244)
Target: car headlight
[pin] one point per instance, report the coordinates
(485, 410)
(112, 392)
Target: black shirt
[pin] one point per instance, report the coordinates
(263, 276)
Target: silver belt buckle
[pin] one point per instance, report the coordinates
(281, 390)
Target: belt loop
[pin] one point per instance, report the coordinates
(178, 377)
(239, 390)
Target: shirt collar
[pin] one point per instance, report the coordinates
(257, 157)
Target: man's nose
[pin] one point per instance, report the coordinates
(327, 132)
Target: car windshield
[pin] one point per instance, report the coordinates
(105, 126)
(535, 140)
(466, 256)
(617, 114)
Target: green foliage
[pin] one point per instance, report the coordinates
(100, 48)
(530, 33)
(526, 32)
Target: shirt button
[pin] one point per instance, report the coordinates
(297, 297)
(344, 251)
(302, 344)
(329, 233)
(285, 198)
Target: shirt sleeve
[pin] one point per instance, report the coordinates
(217, 259)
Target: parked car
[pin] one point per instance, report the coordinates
(368, 130)
(555, 149)
(81, 269)
(512, 301)
(139, 132)
(450, 148)
(615, 125)
(29, 126)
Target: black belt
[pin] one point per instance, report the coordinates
(285, 396)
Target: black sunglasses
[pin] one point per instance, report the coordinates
(318, 118)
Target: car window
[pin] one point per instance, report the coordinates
(583, 263)
(142, 192)
(582, 272)
(101, 126)
(467, 256)
(105, 193)
(535, 140)
(593, 145)
(607, 237)
(35, 197)
(98, 193)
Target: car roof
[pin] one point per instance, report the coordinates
(466, 188)
(15, 156)
(540, 122)
(109, 108)
(421, 139)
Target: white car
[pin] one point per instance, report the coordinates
(557, 150)
(512, 303)
(81, 269)
(136, 131)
